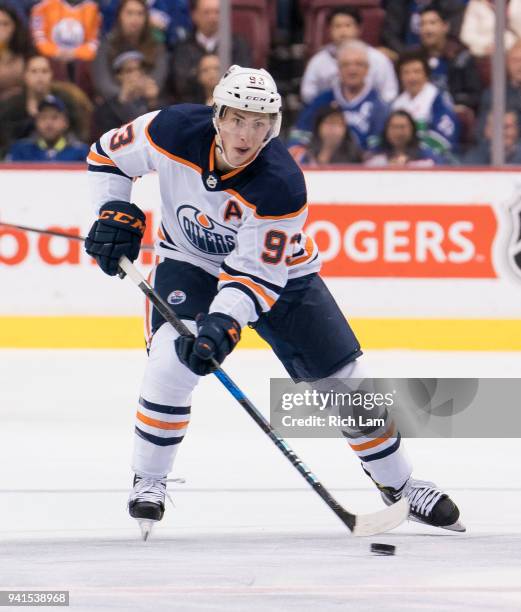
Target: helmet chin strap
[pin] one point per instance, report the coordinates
(219, 145)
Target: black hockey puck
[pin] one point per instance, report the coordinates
(383, 549)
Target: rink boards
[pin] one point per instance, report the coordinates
(424, 259)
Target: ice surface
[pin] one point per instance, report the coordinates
(246, 532)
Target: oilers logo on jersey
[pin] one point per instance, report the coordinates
(176, 297)
(203, 232)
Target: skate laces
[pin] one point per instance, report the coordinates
(421, 495)
(150, 489)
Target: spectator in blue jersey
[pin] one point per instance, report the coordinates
(344, 24)
(481, 154)
(401, 29)
(170, 18)
(363, 109)
(332, 141)
(401, 146)
(51, 141)
(431, 108)
(452, 67)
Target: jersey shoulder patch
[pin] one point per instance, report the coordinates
(278, 188)
(180, 130)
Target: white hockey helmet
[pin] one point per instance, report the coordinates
(248, 89)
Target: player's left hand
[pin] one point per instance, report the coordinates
(216, 338)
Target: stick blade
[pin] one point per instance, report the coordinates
(381, 521)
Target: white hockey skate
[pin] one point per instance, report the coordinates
(147, 502)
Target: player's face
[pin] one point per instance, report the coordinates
(413, 77)
(242, 134)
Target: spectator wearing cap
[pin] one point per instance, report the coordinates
(50, 141)
(363, 109)
(401, 146)
(452, 67)
(481, 154)
(18, 113)
(332, 141)
(479, 22)
(344, 24)
(132, 32)
(203, 40)
(138, 94)
(431, 108)
(14, 46)
(401, 29)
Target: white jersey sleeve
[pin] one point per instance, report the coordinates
(119, 156)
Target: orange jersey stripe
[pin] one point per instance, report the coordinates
(310, 246)
(160, 424)
(211, 163)
(100, 159)
(288, 216)
(171, 155)
(249, 283)
(375, 442)
(250, 205)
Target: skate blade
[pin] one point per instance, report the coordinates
(383, 520)
(146, 528)
(457, 526)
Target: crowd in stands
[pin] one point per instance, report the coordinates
(387, 82)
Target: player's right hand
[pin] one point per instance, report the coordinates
(217, 336)
(117, 232)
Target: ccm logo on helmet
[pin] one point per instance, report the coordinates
(256, 99)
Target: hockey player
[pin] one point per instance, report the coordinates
(231, 252)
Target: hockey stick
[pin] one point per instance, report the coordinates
(358, 524)
(47, 232)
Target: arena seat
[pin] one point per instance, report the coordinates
(467, 119)
(251, 19)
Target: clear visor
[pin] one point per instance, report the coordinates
(251, 126)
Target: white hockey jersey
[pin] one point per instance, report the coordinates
(244, 226)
